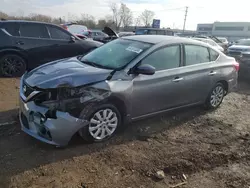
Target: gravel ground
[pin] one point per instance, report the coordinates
(188, 148)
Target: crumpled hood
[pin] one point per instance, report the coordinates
(69, 71)
(239, 47)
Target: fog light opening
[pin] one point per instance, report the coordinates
(51, 113)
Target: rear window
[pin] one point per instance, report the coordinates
(58, 34)
(11, 28)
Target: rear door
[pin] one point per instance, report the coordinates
(197, 72)
(33, 38)
(62, 44)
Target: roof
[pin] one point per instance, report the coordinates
(155, 39)
(202, 39)
(25, 21)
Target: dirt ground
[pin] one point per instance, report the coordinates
(194, 149)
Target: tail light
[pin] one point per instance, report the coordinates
(236, 66)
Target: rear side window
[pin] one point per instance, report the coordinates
(56, 33)
(213, 55)
(33, 30)
(12, 28)
(196, 54)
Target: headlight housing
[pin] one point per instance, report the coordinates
(71, 98)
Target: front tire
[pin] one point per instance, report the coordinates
(215, 97)
(12, 65)
(104, 121)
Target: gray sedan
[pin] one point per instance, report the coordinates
(122, 81)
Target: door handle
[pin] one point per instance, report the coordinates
(212, 73)
(20, 42)
(177, 79)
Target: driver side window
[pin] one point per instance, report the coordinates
(164, 58)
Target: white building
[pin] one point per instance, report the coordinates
(231, 30)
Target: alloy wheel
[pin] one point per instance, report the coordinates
(217, 96)
(103, 124)
(11, 65)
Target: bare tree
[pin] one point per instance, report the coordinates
(72, 17)
(116, 15)
(138, 21)
(126, 15)
(3, 15)
(147, 17)
(87, 20)
(105, 22)
(40, 17)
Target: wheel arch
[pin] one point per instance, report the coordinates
(120, 105)
(16, 52)
(225, 84)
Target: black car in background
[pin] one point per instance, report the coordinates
(241, 52)
(25, 45)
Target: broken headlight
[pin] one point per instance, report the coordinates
(84, 94)
(68, 99)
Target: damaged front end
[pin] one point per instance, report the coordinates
(53, 115)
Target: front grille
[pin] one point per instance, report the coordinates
(24, 121)
(234, 53)
(27, 90)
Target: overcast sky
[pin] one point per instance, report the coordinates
(170, 12)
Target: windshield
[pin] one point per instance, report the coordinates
(115, 54)
(244, 42)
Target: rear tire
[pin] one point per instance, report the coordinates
(215, 97)
(104, 121)
(12, 65)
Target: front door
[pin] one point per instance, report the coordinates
(163, 90)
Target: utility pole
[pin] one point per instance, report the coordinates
(185, 18)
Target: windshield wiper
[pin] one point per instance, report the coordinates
(96, 65)
(89, 63)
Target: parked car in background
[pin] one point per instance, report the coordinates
(215, 39)
(77, 30)
(240, 48)
(124, 80)
(123, 34)
(210, 42)
(97, 35)
(25, 45)
(111, 35)
(223, 40)
(154, 31)
(241, 52)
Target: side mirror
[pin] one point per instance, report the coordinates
(72, 39)
(144, 69)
